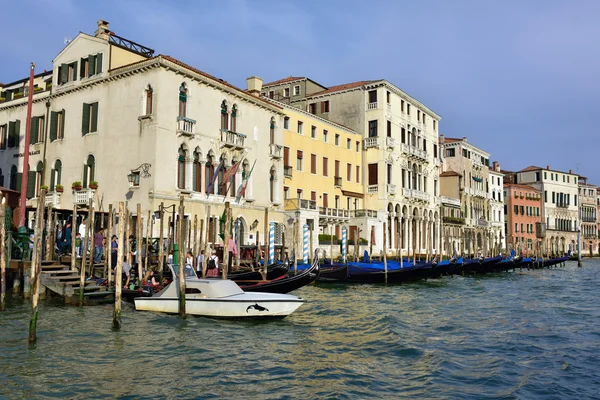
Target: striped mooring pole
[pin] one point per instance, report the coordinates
(272, 242)
(344, 243)
(305, 245)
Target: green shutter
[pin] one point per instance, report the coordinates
(31, 184)
(91, 65)
(34, 130)
(98, 63)
(52, 182)
(75, 71)
(17, 133)
(4, 139)
(11, 134)
(63, 72)
(82, 69)
(18, 183)
(94, 117)
(59, 175)
(85, 175)
(53, 126)
(62, 127)
(85, 120)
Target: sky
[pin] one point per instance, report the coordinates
(519, 79)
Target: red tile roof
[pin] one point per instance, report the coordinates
(285, 80)
(345, 86)
(451, 140)
(450, 173)
(531, 168)
(518, 185)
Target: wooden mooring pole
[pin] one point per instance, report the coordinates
(49, 235)
(2, 252)
(226, 240)
(161, 244)
(148, 238)
(119, 270)
(36, 262)
(108, 245)
(138, 246)
(207, 252)
(73, 236)
(266, 240)
(385, 253)
(89, 237)
(181, 261)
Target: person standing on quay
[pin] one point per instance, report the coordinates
(232, 253)
(114, 247)
(98, 246)
(82, 231)
(199, 264)
(66, 241)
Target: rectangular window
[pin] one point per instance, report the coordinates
(312, 108)
(324, 106)
(14, 134)
(419, 115)
(358, 174)
(402, 105)
(373, 174)
(325, 200)
(372, 96)
(313, 195)
(434, 125)
(89, 120)
(349, 144)
(358, 146)
(389, 128)
(522, 228)
(313, 163)
(521, 210)
(286, 157)
(313, 132)
(325, 135)
(325, 165)
(271, 94)
(389, 173)
(67, 73)
(435, 150)
(403, 135)
(3, 136)
(388, 97)
(516, 227)
(299, 164)
(575, 200)
(553, 198)
(300, 127)
(450, 152)
(349, 172)
(337, 139)
(286, 123)
(297, 90)
(373, 128)
(286, 92)
(407, 108)
(545, 195)
(36, 130)
(337, 169)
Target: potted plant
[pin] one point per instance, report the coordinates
(76, 185)
(38, 89)
(2, 99)
(44, 187)
(59, 188)
(93, 185)
(18, 95)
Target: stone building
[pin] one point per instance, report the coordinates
(453, 220)
(588, 214)
(523, 207)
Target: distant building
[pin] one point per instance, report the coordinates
(523, 208)
(496, 184)
(588, 213)
(453, 220)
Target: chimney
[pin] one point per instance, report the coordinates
(496, 166)
(441, 139)
(102, 32)
(547, 167)
(464, 138)
(571, 171)
(254, 84)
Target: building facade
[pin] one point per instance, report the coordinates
(588, 214)
(113, 109)
(453, 220)
(400, 158)
(559, 191)
(523, 209)
(496, 224)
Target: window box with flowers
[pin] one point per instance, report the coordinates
(76, 185)
(59, 188)
(2, 99)
(44, 187)
(18, 95)
(93, 185)
(38, 89)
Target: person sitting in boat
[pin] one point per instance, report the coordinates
(126, 274)
(213, 264)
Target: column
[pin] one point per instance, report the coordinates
(189, 162)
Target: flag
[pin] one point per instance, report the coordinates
(230, 172)
(242, 189)
(211, 185)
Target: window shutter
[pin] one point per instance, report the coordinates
(17, 133)
(33, 130)
(286, 156)
(85, 120)
(18, 186)
(82, 69)
(63, 73)
(59, 175)
(74, 71)
(53, 126)
(62, 126)
(95, 117)
(31, 184)
(372, 174)
(52, 181)
(91, 65)
(85, 175)
(299, 154)
(11, 134)
(98, 63)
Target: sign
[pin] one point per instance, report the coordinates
(31, 153)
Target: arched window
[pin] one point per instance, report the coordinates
(13, 178)
(148, 94)
(224, 116)
(181, 168)
(183, 95)
(55, 175)
(197, 172)
(89, 171)
(272, 130)
(414, 177)
(234, 111)
(272, 185)
(210, 171)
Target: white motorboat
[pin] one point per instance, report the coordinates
(218, 298)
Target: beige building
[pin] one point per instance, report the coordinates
(588, 214)
(453, 220)
(400, 155)
(111, 108)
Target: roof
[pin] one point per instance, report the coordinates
(285, 80)
(530, 168)
(23, 80)
(345, 86)
(451, 140)
(450, 173)
(7, 190)
(521, 186)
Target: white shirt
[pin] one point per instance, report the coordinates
(200, 262)
(82, 230)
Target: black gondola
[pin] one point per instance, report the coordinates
(333, 273)
(481, 265)
(273, 271)
(553, 261)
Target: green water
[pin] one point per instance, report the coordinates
(529, 334)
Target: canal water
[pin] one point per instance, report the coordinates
(521, 335)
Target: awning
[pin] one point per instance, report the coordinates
(352, 194)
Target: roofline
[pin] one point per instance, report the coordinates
(467, 143)
(551, 170)
(287, 106)
(26, 79)
(270, 84)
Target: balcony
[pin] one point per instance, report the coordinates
(363, 213)
(232, 140)
(449, 201)
(54, 199)
(453, 220)
(275, 151)
(333, 213)
(391, 189)
(185, 126)
(300, 204)
(337, 181)
(83, 197)
(588, 219)
(562, 205)
(413, 194)
(414, 152)
(372, 189)
(481, 193)
(372, 106)
(390, 142)
(287, 171)
(370, 142)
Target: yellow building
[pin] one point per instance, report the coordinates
(323, 175)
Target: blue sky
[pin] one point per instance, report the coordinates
(518, 78)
